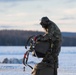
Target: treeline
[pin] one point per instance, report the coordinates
(15, 37)
(19, 38)
(69, 41)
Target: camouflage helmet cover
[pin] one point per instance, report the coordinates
(44, 21)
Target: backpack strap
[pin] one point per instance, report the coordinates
(26, 56)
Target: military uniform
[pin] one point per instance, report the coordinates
(43, 69)
(49, 64)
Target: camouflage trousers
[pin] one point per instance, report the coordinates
(43, 69)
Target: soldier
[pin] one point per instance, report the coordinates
(49, 64)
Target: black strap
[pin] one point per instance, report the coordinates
(25, 62)
(28, 40)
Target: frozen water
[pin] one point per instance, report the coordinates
(67, 61)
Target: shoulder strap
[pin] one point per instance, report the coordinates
(26, 56)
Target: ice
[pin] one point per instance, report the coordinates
(67, 61)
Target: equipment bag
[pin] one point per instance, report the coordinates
(41, 48)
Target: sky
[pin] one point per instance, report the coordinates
(26, 14)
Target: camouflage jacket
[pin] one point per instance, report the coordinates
(53, 33)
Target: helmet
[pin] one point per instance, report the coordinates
(44, 21)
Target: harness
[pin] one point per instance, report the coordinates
(39, 49)
(26, 54)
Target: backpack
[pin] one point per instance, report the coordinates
(41, 49)
(38, 48)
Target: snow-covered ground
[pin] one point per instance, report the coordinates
(67, 61)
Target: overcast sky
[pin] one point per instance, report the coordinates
(26, 14)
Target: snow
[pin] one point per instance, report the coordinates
(67, 61)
